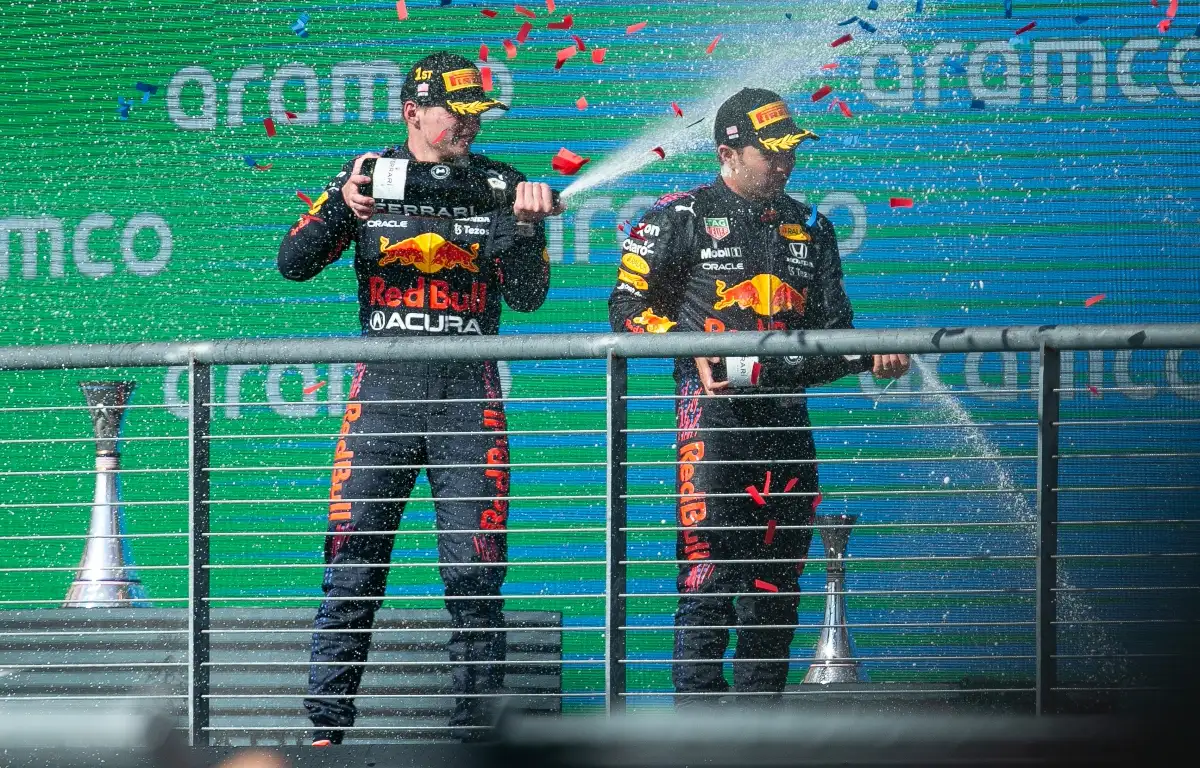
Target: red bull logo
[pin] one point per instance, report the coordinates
(429, 253)
(648, 322)
(765, 294)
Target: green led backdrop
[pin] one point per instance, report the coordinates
(1053, 176)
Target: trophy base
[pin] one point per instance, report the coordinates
(106, 594)
(825, 673)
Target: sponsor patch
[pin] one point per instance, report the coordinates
(635, 263)
(718, 229)
(768, 114)
(461, 78)
(794, 232)
(632, 279)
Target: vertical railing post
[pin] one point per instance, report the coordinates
(617, 517)
(199, 417)
(1045, 638)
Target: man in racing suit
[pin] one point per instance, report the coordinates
(469, 230)
(740, 255)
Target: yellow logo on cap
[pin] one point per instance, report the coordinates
(766, 115)
(461, 78)
(471, 107)
(787, 142)
(422, 74)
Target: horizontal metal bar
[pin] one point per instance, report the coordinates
(575, 346)
(98, 697)
(513, 695)
(439, 598)
(1118, 688)
(858, 659)
(397, 630)
(28, 440)
(1077, 523)
(405, 532)
(1125, 555)
(56, 472)
(818, 526)
(441, 433)
(509, 564)
(1120, 655)
(1097, 488)
(60, 504)
(820, 690)
(851, 625)
(846, 560)
(95, 632)
(42, 408)
(106, 600)
(849, 592)
(856, 460)
(426, 401)
(97, 665)
(352, 728)
(73, 568)
(328, 467)
(832, 494)
(1129, 455)
(1122, 422)
(1172, 387)
(77, 536)
(834, 427)
(1125, 589)
(845, 393)
(415, 499)
(1126, 621)
(430, 663)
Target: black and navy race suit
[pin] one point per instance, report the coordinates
(437, 267)
(710, 260)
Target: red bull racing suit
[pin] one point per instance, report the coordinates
(437, 269)
(710, 260)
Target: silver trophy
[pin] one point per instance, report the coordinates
(105, 578)
(834, 660)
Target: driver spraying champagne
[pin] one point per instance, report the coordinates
(441, 235)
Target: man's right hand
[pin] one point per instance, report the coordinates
(704, 368)
(362, 205)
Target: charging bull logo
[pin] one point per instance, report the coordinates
(427, 252)
(765, 294)
(648, 322)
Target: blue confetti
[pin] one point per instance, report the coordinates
(301, 25)
(787, 16)
(873, 5)
(1019, 41)
(956, 67)
(123, 106)
(850, 20)
(866, 25)
(248, 160)
(146, 87)
(1008, 9)
(977, 104)
(812, 218)
(920, 6)
(446, 2)
(1081, 19)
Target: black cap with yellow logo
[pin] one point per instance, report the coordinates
(759, 117)
(448, 80)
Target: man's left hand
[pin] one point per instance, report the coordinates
(890, 366)
(534, 202)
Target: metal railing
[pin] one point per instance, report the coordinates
(1047, 588)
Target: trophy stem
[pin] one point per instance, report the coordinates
(834, 661)
(105, 577)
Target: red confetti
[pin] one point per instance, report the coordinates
(1027, 27)
(901, 202)
(579, 42)
(662, 153)
(290, 115)
(765, 586)
(489, 13)
(822, 92)
(1154, 3)
(549, 6)
(754, 494)
(266, 167)
(566, 23)
(483, 52)
(269, 124)
(1172, 9)
(845, 108)
(563, 55)
(770, 532)
(841, 41)
(598, 55)
(440, 136)
(567, 162)
(401, 10)
(1099, 297)
(829, 67)
(523, 33)
(581, 103)
(635, 27)
(1163, 26)
(314, 387)
(524, 11)
(712, 45)
(510, 49)
(485, 74)
(1093, 390)
(817, 501)
(767, 484)
(790, 484)
(307, 200)
(678, 111)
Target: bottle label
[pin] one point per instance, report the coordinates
(389, 179)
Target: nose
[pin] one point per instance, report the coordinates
(784, 162)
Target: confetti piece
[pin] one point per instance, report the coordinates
(438, 139)
(765, 586)
(581, 103)
(289, 115)
(567, 162)
(1153, 3)
(307, 200)
(266, 167)
(579, 42)
(1197, 34)
(1018, 42)
(524, 11)
(249, 161)
(146, 87)
(678, 111)
(712, 46)
(269, 124)
(489, 13)
(485, 74)
(787, 16)
(956, 67)
(829, 67)
(978, 104)
(754, 494)
(873, 5)
(790, 485)
(401, 10)
(483, 52)
(446, 2)
(770, 536)
(841, 41)
(1095, 392)
(523, 33)
(902, 202)
(314, 387)
(549, 6)
(817, 501)
(867, 26)
(920, 6)
(767, 484)
(563, 55)
(300, 27)
(1008, 9)
(850, 20)
(1081, 19)
(1026, 28)
(510, 49)
(635, 27)
(845, 108)
(1164, 25)
(1099, 297)
(598, 55)
(566, 23)
(821, 93)
(662, 153)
